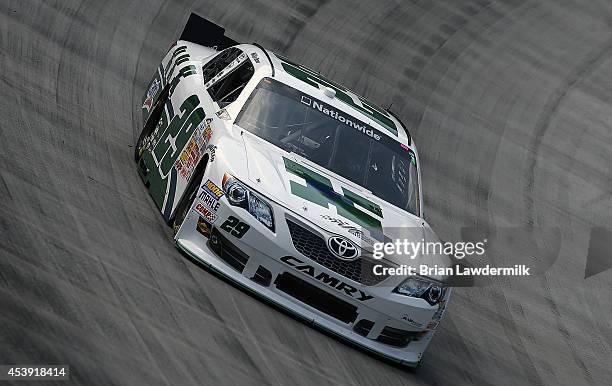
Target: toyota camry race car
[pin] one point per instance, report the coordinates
(282, 181)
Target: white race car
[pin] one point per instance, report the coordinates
(281, 181)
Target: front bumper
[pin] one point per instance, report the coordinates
(266, 264)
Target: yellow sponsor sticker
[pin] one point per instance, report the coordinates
(214, 189)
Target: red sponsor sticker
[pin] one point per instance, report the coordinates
(206, 213)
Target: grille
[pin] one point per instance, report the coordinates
(316, 297)
(314, 247)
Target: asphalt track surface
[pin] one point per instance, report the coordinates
(509, 101)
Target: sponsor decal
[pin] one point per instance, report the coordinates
(200, 135)
(343, 248)
(255, 57)
(193, 152)
(212, 152)
(223, 114)
(350, 228)
(210, 201)
(213, 189)
(187, 161)
(326, 279)
(147, 103)
(154, 86)
(331, 112)
(153, 89)
(411, 321)
(319, 190)
(204, 227)
(207, 134)
(206, 213)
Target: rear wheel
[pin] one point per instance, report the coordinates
(188, 197)
(152, 122)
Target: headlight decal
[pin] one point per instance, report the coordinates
(261, 210)
(417, 287)
(238, 194)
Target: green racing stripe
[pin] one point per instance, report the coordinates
(319, 190)
(366, 107)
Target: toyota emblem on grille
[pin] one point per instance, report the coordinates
(342, 248)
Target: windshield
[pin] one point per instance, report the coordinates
(299, 123)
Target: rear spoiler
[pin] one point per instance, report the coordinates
(204, 32)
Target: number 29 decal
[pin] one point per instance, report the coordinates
(235, 227)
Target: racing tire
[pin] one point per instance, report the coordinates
(152, 121)
(187, 199)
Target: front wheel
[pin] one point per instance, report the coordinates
(188, 197)
(152, 122)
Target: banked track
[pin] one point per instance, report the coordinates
(508, 100)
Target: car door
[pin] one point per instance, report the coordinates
(183, 114)
(226, 76)
(181, 137)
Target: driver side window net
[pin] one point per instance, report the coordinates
(214, 67)
(225, 83)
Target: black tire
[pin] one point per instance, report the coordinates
(152, 121)
(187, 199)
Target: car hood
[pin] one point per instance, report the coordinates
(272, 171)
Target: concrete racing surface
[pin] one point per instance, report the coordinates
(509, 101)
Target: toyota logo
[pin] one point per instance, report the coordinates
(342, 248)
